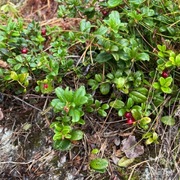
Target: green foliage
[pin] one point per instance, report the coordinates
(164, 84)
(114, 3)
(69, 103)
(99, 164)
(45, 86)
(151, 137)
(168, 120)
(125, 162)
(100, 108)
(124, 47)
(139, 95)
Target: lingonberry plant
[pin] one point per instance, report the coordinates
(70, 106)
(123, 53)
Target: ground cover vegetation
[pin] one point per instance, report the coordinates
(116, 72)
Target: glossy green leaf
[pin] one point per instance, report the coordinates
(165, 82)
(101, 31)
(137, 96)
(98, 77)
(149, 141)
(85, 26)
(105, 88)
(143, 56)
(68, 95)
(17, 66)
(177, 60)
(145, 121)
(60, 94)
(114, 21)
(99, 164)
(57, 126)
(81, 121)
(121, 112)
(116, 56)
(105, 106)
(93, 83)
(95, 151)
(114, 3)
(76, 135)
(110, 76)
(57, 105)
(19, 59)
(23, 77)
(155, 136)
(57, 136)
(130, 103)
(67, 136)
(79, 96)
(166, 90)
(97, 103)
(75, 114)
(151, 137)
(120, 82)
(168, 120)
(158, 99)
(125, 162)
(136, 113)
(117, 104)
(103, 57)
(102, 113)
(156, 85)
(138, 2)
(66, 129)
(147, 11)
(114, 48)
(14, 76)
(5, 51)
(62, 145)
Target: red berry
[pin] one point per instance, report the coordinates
(43, 31)
(130, 121)
(164, 74)
(128, 115)
(104, 12)
(24, 50)
(45, 86)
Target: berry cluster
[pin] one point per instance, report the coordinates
(129, 118)
(24, 50)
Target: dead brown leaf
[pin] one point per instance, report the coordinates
(131, 148)
(4, 64)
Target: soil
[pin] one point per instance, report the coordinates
(26, 147)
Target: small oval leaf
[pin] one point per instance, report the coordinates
(105, 88)
(99, 164)
(125, 162)
(117, 104)
(76, 135)
(168, 120)
(62, 145)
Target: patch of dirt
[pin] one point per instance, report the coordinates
(39, 10)
(26, 148)
(45, 12)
